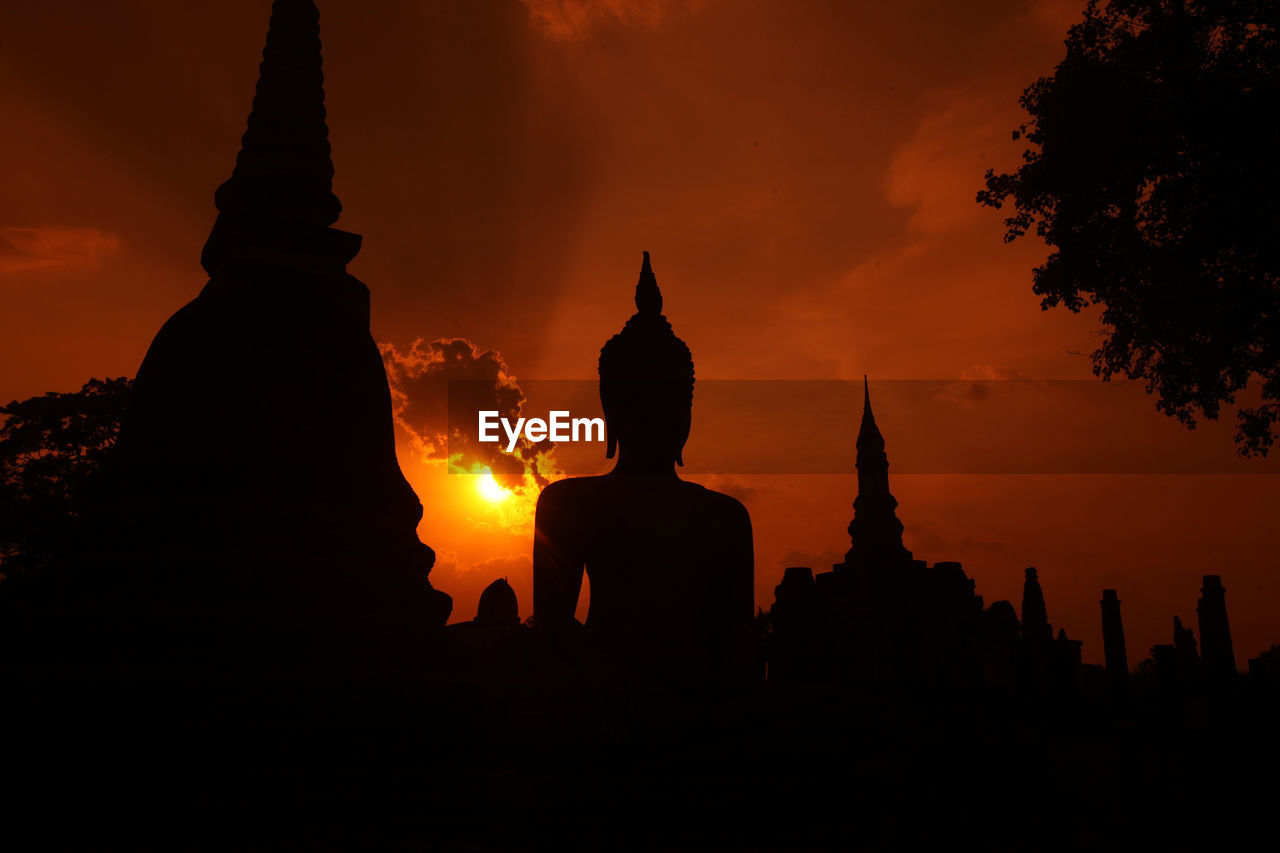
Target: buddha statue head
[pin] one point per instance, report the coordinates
(646, 383)
(498, 605)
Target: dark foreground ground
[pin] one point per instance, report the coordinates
(421, 763)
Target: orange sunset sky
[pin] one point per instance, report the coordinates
(802, 171)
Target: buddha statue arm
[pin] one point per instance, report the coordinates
(734, 608)
(557, 565)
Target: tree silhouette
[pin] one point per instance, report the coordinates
(49, 445)
(1151, 172)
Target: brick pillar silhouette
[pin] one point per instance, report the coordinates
(1035, 616)
(1187, 659)
(1215, 634)
(1113, 642)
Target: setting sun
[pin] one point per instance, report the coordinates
(490, 490)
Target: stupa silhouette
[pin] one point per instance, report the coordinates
(881, 617)
(255, 492)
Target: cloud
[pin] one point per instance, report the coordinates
(466, 583)
(437, 388)
(929, 544)
(979, 381)
(979, 372)
(572, 20)
(733, 487)
(819, 561)
(924, 540)
(938, 170)
(53, 247)
(1056, 16)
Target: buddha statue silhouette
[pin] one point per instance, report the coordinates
(669, 562)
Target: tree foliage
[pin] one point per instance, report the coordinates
(1152, 173)
(49, 446)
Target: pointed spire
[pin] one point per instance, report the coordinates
(868, 434)
(875, 532)
(279, 203)
(284, 161)
(648, 296)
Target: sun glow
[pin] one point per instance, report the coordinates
(509, 504)
(490, 490)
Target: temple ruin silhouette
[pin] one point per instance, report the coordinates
(254, 495)
(883, 617)
(253, 518)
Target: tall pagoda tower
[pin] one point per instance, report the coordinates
(881, 616)
(255, 490)
(875, 531)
